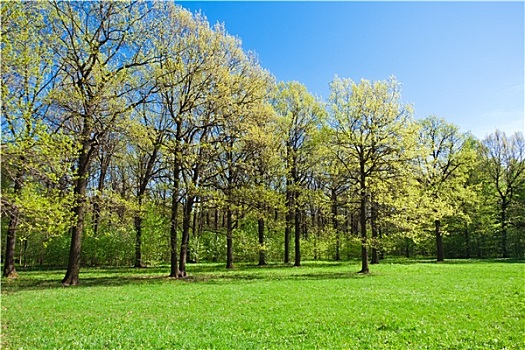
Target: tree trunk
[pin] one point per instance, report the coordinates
(138, 241)
(288, 227)
(143, 184)
(262, 248)
(439, 241)
(73, 267)
(297, 261)
(9, 262)
(104, 165)
(335, 226)
(185, 239)
(504, 230)
(229, 239)
(467, 242)
(75, 251)
(216, 220)
(362, 218)
(375, 233)
(174, 269)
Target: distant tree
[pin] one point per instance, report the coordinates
(372, 136)
(190, 54)
(504, 162)
(261, 195)
(34, 159)
(443, 166)
(300, 115)
(242, 105)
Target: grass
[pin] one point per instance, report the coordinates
(455, 305)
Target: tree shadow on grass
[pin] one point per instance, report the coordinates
(210, 274)
(458, 261)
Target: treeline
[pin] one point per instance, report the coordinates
(135, 133)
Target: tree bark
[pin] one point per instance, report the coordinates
(174, 268)
(9, 263)
(73, 268)
(72, 274)
(467, 242)
(262, 248)
(439, 241)
(229, 239)
(104, 165)
(185, 239)
(335, 226)
(504, 229)
(138, 241)
(288, 227)
(375, 233)
(362, 219)
(297, 261)
(143, 184)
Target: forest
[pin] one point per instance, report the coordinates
(133, 141)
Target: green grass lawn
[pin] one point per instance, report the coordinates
(454, 305)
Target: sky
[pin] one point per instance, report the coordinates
(461, 61)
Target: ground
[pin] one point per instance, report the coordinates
(400, 305)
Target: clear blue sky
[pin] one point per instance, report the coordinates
(463, 61)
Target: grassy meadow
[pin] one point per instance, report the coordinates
(400, 305)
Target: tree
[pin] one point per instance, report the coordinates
(101, 47)
(241, 105)
(300, 115)
(33, 158)
(372, 133)
(146, 137)
(504, 161)
(189, 51)
(442, 168)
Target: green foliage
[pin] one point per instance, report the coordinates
(114, 115)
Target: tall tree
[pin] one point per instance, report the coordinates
(442, 168)
(146, 133)
(300, 114)
(189, 51)
(241, 100)
(504, 160)
(101, 47)
(372, 129)
(32, 156)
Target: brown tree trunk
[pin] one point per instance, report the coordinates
(9, 262)
(138, 241)
(174, 265)
(75, 251)
(229, 239)
(143, 184)
(335, 226)
(73, 268)
(504, 230)
(104, 165)
(467, 242)
(375, 233)
(262, 248)
(362, 219)
(288, 227)
(185, 239)
(216, 220)
(439, 241)
(297, 261)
